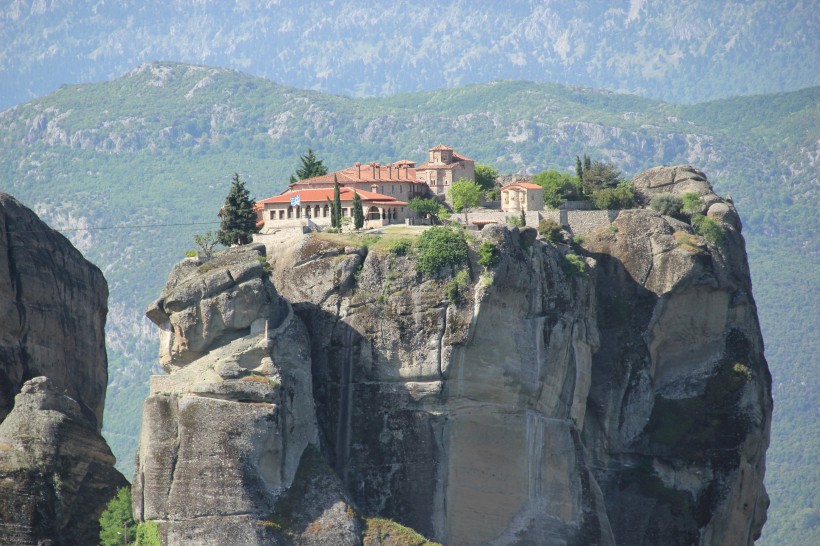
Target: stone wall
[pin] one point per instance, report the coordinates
(578, 221)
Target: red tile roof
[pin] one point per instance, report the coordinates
(440, 147)
(519, 186)
(321, 195)
(364, 173)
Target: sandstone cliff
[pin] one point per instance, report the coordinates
(56, 471)
(628, 403)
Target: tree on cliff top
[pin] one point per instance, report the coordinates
(310, 167)
(238, 217)
(465, 195)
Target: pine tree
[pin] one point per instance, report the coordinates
(337, 205)
(310, 166)
(358, 212)
(238, 217)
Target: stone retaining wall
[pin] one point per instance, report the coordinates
(578, 221)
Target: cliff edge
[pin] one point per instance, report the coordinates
(619, 396)
(56, 471)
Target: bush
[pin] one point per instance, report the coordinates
(622, 197)
(454, 287)
(707, 228)
(574, 266)
(515, 220)
(402, 247)
(190, 254)
(439, 247)
(667, 204)
(148, 534)
(116, 517)
(550, 230)
(488, 254)
(692, 204)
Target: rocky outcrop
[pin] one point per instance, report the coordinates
(225, 433)
(56, 471)
(618, 397)
(680, 402)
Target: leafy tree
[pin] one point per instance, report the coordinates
(557, 186)
(148, 534)
(358, 212)
(465, 195)
(206, 242)
(310, 166)
(438, 247)
(427, 207)
(117, 518)
(600, 175)
(238, 217)
(485, 177)
(621, 197)
(667, 203)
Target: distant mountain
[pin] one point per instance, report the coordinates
(134, 167)
(676, 51)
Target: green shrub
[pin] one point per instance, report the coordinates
(148, 534)
(550, 230)
(515, 220)
(707, 228)
(439, 247)
(265, 263)
(667, 204)
(402, 247)
(190, 253)
(692, 204)
(621, 197)
(116, 517)
(488, 254)
(574, 266)
(455, 286)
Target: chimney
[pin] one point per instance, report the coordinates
(358, 170)
(374, 188)
(390, 171)
(378, 171)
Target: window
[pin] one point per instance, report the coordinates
(273, 215)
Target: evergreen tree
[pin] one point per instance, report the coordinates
(579, 169)
(310, 166)
(337, 205)
(238, 217)
(117, 519)
(587, 163)
(358, 212)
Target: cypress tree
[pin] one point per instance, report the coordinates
(238, 217)
(579, 169)
(358, 212)
(337, 205)
(587, 163)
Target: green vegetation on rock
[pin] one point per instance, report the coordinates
(117, 519)
(440, 247)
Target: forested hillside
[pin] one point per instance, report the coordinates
(134, 167)
(676, 51)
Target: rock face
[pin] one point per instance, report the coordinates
(225, 433)
(56, 471)
(623, 402)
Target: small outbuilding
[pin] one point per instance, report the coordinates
(520, 196)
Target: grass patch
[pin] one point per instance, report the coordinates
(256, 378)
(574, 266)
(687, 241)
(382, 531)
(384, 241)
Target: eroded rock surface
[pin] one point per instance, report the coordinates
(224, 434)
(56, 471)
(628, 403)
